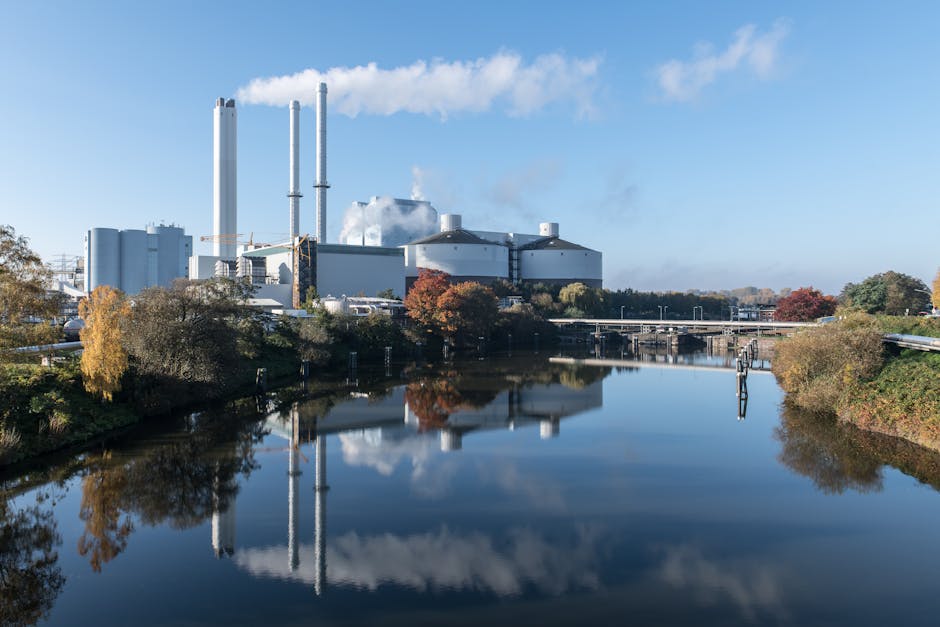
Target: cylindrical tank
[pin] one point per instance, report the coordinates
(134, 262)
(561, 262)
(165, 243)
(102, 263)
(450, 222)
(548, 229)
(477, 262)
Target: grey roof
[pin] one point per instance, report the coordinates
(458, 236)
(552, 243)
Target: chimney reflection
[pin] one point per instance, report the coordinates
(320, 488)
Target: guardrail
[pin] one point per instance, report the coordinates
(43, 348)
(739, 324)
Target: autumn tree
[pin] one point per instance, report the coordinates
(25, 305)
(805, 304)
(467, 308)
(421, 301)
(581, 299)
(935, 296)
(104, 359)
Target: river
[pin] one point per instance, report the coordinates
(503, 490)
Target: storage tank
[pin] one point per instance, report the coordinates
(450, 222)
(548, 229)
(558, 262)
(167, 244)
(459, 253)
(102, 258)
(133, 261)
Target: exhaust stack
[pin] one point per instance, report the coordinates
(321, 184)
(294, 194)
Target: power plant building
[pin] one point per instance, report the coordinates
(132, 260)
(486, 256)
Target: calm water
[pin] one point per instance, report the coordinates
(504, 491)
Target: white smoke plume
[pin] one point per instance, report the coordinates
(417, 183)
(683, 80)
(383, 221)
(439, 87)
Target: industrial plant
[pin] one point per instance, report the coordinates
(384, 243)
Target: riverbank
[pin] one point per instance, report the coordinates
(844, 369)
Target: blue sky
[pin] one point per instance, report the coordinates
(698, 145)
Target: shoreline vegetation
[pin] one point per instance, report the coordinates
(843, 371)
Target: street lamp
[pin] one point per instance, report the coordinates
(621, 311)
(662, 308)
(701, 312)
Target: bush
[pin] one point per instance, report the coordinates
(818, 367)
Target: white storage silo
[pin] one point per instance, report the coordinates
(102, 258)
(133, 260)
(555, 261)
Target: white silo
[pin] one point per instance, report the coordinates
(170, 248)
(451, 222)
(224, 178)
(548, 229)
(294, 193)
(134, 260)
(321, 184)
(102, 258)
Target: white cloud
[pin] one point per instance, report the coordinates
(750, 50)
(439, 87)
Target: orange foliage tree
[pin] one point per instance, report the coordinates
(421, 301)
(104, 359)
(467, 308)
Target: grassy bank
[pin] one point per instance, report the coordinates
(844, 369)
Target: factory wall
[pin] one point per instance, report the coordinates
(353, 270)
(134, 261)
(561, 266)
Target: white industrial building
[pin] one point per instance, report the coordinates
(485, 256)
(133, 259)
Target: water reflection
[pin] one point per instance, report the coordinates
(182, 482)
(754, 588)
(839, 457)
(30, 576)
(447, 560)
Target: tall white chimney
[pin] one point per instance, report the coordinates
(321, 184)
(294, 194)
(224, 178)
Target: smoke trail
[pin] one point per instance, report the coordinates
(417, 183)
(439, 87)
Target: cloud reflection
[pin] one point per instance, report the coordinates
(444, 560)
(754, 588)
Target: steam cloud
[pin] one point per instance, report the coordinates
(683, 80)
(383, 222)
(439, 87)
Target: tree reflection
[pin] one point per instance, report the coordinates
(180, 483)
(840, 457)
(30, 578)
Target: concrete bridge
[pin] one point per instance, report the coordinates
(692, 326)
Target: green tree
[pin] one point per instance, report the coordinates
(581, 298)
(104, 359)
(388, 293)
(25, 306)
(467, 308)
(892, 293)
(421, 301)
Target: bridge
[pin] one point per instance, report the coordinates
(702, 325)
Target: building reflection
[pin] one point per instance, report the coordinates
(378, 433)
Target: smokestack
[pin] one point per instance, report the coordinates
(224, 177)
(294, 194)
(321, 184)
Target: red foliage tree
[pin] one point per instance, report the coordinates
(421, 301)
(805, 304)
